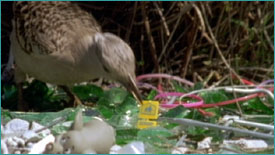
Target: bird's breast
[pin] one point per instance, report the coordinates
(62, 68)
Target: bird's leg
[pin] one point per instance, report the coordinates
(22, 105)
(19, 78)
(74, 100)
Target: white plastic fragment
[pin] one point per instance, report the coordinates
(17, 152)
(114, 149)
(205, 143)
(180, 150)
(39, 147)
(135, 147)
(229, 117)
(4, 148)
(10, 142)
(20, 142)
(247, 144)
(30, 135)
(15, 127)
(36, 126)
(14, 141)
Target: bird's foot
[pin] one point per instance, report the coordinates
(74, 100)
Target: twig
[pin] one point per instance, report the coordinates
(170, 8)
(265, 32)
(163, 20)
(218, 48)
(150, 37)
(257, 68)
(183, 10)
(191, 41)
(268, 40)
(200, 17)
(132, 22)
(220, 81)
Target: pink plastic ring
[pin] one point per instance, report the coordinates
(178, 103)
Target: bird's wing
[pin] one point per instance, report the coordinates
(51, 27)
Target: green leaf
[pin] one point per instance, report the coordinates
(178, 87)
(129, 105)
(214, 96)
(257, 107)
(86, 92)
(152, 95)
(157, 140)
(198, 86)
(178, 112)
(125, 136)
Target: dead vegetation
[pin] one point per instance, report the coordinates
(199, 41)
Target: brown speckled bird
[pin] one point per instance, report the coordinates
(59, 43)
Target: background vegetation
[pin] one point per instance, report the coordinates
(208, 43)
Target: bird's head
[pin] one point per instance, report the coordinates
(117, 61)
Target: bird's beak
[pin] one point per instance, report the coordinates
(132, 87)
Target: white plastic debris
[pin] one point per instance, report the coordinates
(114, 149)
(15, 141)
(36, 126)
(180, 150)
(205, 143)
(135, 147)
(229, 117)
(10, 142)
(247, 144)
(4, 148)
(39, 147)
(15, 127)
(30, 135)
(17, 152)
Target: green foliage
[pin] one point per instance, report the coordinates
(119, 108)
(157, 140)
(88, 92)
(255, 106)
(152, 95)
(126, 135)
(214, 96)
(9, 96)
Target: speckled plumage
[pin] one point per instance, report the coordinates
(59, 43)
(52, 26)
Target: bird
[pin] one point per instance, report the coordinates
(58, 42)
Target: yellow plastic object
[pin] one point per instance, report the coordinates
(146, 124)
(148, 110)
